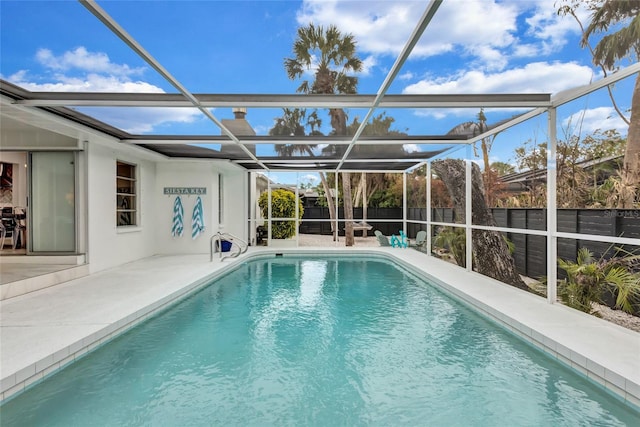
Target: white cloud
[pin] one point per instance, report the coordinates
(367, 64)
(411, 148)
(408, 75)
(589, 120)
(79, 70)
(309, 177)
(86, 83)
(493, 58)
(82, 71)
(526, 50)
(537, 77)
(262, 129)
(141, 120)
(549, 28)
(383, 28)
(484, 31)
(474, 24)
(81, 59)
(379, 27)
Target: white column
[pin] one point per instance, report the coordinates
(404, 202)
(253, 202)
(467, 214)
(269, 210)
(428, 189)
(335, 199)
(297, 200)
(552, 218)
(365, 202)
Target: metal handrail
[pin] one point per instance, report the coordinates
(218, 237)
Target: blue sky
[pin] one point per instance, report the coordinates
(472, 46)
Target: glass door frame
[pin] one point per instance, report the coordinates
(30, 207)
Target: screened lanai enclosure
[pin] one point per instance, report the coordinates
(529, 173)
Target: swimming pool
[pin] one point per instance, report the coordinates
(292, 341)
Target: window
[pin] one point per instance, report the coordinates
(126, 205)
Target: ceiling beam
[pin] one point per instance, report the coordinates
(174, 100)
(310, 140)
(315, 160)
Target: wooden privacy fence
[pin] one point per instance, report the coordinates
(530, 251)
(309, 226)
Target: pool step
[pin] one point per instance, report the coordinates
(25, 274)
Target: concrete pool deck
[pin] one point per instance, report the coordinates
(45, 330)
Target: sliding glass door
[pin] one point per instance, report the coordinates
(52, 202)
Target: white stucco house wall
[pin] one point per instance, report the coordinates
(92, 235)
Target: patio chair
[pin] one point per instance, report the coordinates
(3, 234)
(382, 239)
(421, 239)
(8, 226)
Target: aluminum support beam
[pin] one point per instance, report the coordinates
(467, 214)
(329, 140)
(404, 204)
(174, 100)
(428, 203)
(575, 93)
(552, 213)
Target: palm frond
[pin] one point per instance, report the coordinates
(613, 47)
(585, 256)
(627, 286)
(617, 45)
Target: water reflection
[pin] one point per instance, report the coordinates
(312, 276)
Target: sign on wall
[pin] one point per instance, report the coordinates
(199, 191)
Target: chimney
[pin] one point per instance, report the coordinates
(239, 113)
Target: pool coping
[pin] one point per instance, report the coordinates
(612, 361)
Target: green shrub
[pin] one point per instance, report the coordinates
(588, 278)
(282, 206)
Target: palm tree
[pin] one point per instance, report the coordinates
(293, 123)
(332, 55)
(609, 50)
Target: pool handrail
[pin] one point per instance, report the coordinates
(241, 245)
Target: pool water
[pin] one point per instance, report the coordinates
(291, 341)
